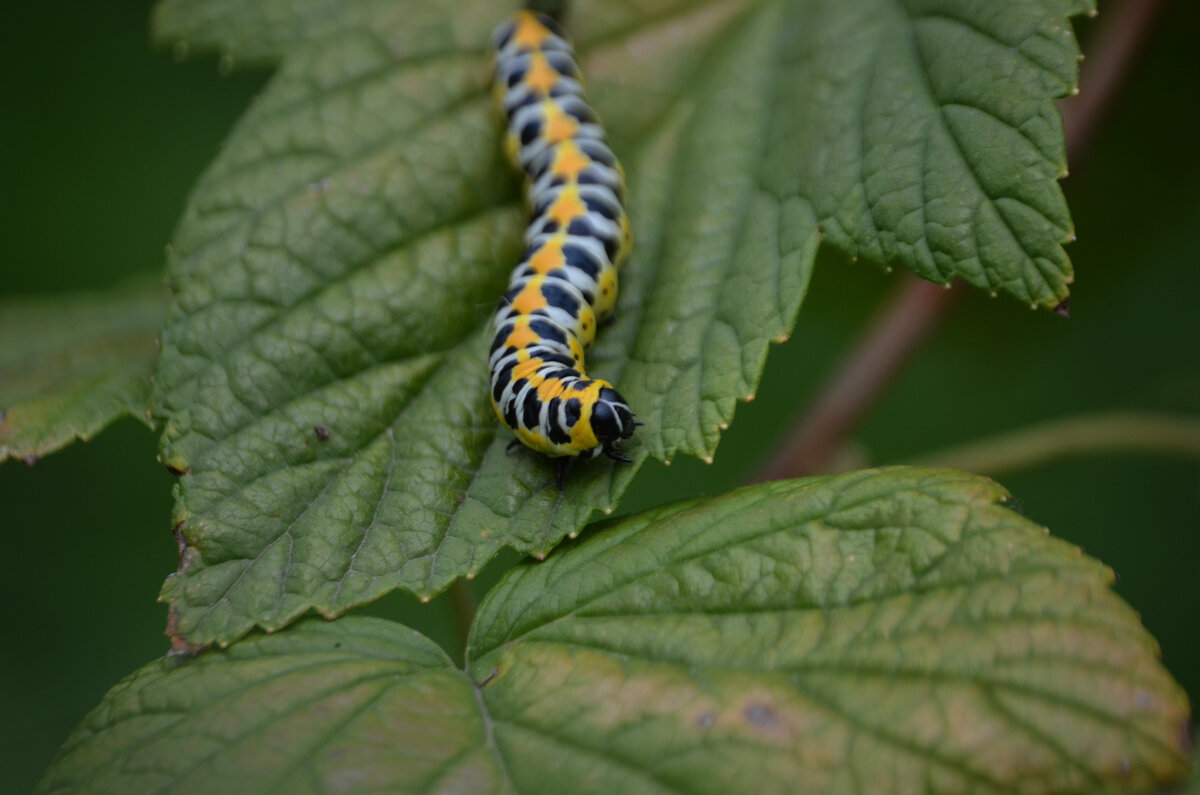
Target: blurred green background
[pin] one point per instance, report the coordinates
(103, 137)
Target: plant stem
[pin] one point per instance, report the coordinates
(1117, 43)
(1106, 432)
(914, 311)
(894, 336)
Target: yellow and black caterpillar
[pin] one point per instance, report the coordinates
(566, 281)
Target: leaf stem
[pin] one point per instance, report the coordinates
(465, 604)
(1105, 432)
(903, 324)
(1086, 435)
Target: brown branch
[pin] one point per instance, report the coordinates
(905, 322)
(1117, 44)
(894, 336)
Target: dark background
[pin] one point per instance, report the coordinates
(102, 138)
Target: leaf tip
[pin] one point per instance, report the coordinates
(1063, 309)
(31, 459)
(708, 459)
(722, 426)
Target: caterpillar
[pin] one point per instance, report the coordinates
(565, 284)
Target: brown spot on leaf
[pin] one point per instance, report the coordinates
(179, 644)
(761, 715)
(769, 716)
(180, 541)
(321, 431)
(1063, 309)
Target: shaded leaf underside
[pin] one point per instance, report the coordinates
(71, 365)
(892, 630)
(337, 263)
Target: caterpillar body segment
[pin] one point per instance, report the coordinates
(575, 260)
(565, 284)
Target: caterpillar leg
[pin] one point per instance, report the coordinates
(617, 456)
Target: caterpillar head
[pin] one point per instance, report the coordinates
(612, 421)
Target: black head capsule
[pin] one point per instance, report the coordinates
(612, 421)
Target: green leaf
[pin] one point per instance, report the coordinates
(890, 630)
(929, 127)
(362, 705)
(885, 631)
(72, 365)
(337, 263)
